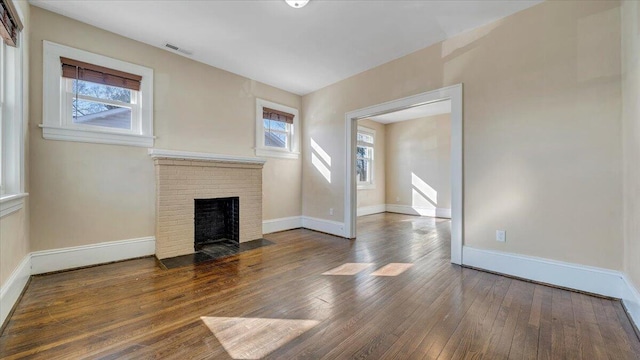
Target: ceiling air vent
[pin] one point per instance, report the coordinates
(178, 49)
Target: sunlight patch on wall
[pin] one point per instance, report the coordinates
(348, 269)
(392, 269)
(320, 151)
(319, 165)
(420, 202)
(321, 160)
(425, 189)
(255, 338)
(423, 196)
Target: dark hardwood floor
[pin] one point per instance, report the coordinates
(275, 302)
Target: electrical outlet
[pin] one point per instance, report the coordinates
(501, 235)
(331, 211)
(397, 198)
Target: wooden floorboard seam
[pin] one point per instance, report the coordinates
(135, 309)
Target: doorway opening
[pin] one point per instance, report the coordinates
(360, 161)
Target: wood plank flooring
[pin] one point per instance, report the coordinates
(274, 302)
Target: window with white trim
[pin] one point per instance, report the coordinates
(11, 111)
(94, 98)
(3, 81)
(364, 157)
(276, 130)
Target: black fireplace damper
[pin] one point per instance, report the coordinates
(216, 221)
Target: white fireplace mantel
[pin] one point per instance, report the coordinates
(188, 155)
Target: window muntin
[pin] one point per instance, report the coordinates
(364, 156)
(93, 104)
(276, 134)
(365, 138)
(101, 91)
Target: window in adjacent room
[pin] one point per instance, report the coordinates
(364, 157)
(276, 130)
(93, 98)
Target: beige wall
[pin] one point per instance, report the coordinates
(419, 162)
(14, 228)
(631, 136)
(89, 193)
(542, 129)
(14, 233)
(376, 195)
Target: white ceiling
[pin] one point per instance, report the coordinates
(436, 108)
(299, 50)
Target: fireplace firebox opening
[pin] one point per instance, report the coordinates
(216, 221)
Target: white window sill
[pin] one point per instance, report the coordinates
(95, 136)
(366, 186)
(277, 153)
(11, 203)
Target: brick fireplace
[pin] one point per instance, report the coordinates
(184, 179)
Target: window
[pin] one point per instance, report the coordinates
(364, 157)
(92, 104)
(276, 130)
(2, 117)
(98, 96)
(276, 134)
(11, 110)
(93, 98)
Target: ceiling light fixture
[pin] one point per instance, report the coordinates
(297, 4)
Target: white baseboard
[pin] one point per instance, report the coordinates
(294, 222)
(418, 210)
(373, 209)
(590, 279)
(281, 224)
(39, 262)
(573, 276)
(12, 288)
(443, 213)
(79, 256)
(326, 226)
(631, 299)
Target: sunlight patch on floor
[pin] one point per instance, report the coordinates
(392, 269)
(348, 269)
(255, 338)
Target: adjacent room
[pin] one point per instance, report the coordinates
(318, 179)
(403, 162)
